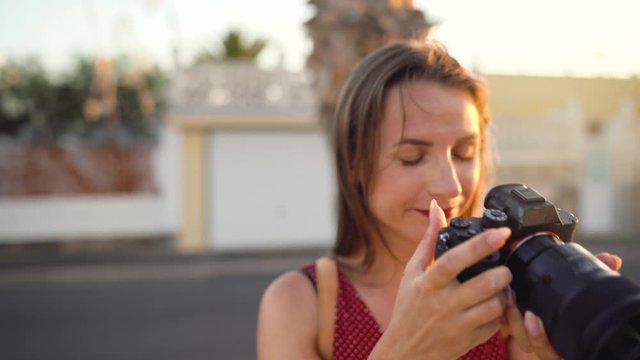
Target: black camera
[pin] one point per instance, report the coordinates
(589, 311)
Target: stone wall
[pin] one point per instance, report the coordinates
(78, 169)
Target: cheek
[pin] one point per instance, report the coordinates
(403, 180)
(469, 177)
(393, 187)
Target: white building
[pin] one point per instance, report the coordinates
(256, 167)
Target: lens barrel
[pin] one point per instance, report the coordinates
(589, 312)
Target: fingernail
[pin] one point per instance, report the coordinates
(532, 324)
(495, 238)
(511, 297)
(432, 206)
(618, 262)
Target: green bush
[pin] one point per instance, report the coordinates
(97, 100)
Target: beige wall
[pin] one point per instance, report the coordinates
(515, 95)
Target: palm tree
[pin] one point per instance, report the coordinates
(343, 32)
(234, 47)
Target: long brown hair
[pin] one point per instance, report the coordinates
(356, 125)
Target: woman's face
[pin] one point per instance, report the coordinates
(429, 149)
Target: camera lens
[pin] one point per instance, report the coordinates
(589, 312)
(624, 344)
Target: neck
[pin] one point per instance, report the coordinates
(388, 263)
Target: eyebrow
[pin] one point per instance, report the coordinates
(410, 141)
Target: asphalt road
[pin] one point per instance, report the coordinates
(203, 308)
(160, 309)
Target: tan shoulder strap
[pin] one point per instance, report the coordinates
(327, 279)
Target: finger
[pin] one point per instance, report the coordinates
(511, 300)
(420, 257)
(451, 263)
(612, 261)
(437, 220)
(425, 251)
(485, 312)
(482, 287)
(538, 338)
(515, 325)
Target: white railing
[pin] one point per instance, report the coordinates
(239, 88)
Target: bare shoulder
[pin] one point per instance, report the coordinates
(291, 292)
(290, 283)
(287, 320)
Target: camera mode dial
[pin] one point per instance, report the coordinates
(494, 218)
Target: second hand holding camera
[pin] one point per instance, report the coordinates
(589, 311)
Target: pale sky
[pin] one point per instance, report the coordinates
(577, 37)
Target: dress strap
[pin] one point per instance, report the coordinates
(327, 285)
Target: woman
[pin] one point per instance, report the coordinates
(410, 149)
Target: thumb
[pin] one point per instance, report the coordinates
(425, 251)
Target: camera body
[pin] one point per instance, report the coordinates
(589, 311)
(517, 207)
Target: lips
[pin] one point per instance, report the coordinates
(447, 212)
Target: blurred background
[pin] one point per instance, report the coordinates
(162, 161)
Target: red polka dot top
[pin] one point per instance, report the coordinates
(356, 331)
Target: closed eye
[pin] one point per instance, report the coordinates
(412, 162)
(410, 154)
(465, 150)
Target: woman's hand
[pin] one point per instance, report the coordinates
(435, 316)
(528, 335)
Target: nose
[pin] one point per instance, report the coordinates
(444, 183)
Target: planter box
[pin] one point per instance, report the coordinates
(76, 169)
